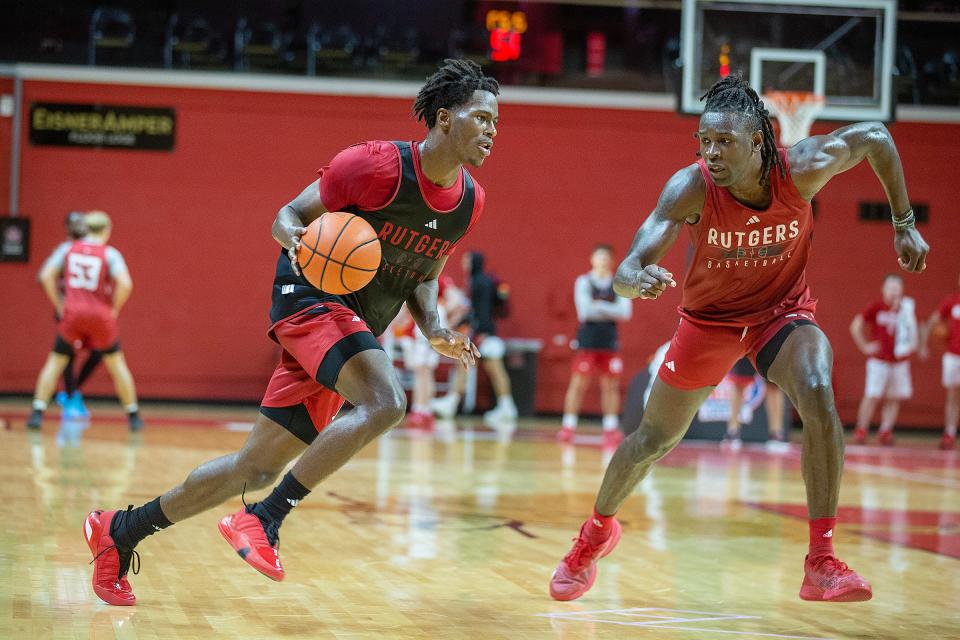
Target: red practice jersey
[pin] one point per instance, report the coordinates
(950, 313)
(748, 264)
(881, 321)
(87, 275)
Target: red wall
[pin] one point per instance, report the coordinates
(194, 226)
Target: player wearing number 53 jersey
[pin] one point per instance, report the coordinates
(96, 285)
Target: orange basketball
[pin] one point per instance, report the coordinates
(339, 253)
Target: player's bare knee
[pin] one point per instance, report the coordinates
(388, 410)
(256, 474)
(648, 443)
(815, 398)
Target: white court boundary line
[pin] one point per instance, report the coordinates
(212, 80)
(670, 621)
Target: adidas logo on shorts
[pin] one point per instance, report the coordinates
(432, 224)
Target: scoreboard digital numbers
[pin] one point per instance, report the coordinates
(506, 28)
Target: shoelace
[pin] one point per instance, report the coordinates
(270, 529)
(129, 558)
(836, 565)
(581, 554)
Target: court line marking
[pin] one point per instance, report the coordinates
(671, 622)
(900, 474)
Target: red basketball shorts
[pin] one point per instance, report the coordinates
(700, 354)
(316, 343)
(88, 328)
(589, 362)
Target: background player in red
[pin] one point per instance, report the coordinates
(599, 310)
(877, 331)
(70, 398)
(947, 319)
(96, 285)
(746, 204)
(421, 201)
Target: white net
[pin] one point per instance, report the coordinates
(795, 111)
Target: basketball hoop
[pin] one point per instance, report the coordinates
(795, 111)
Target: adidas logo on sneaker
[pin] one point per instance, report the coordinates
(753, 220)
(671, 366)
(432, 224)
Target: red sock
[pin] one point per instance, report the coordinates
(598, 526)
(821, 536)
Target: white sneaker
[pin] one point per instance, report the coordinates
(501, 413)
(445, 406)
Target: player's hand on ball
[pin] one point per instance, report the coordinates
(911, 250)
(295, 234)
(652, 281)
(455, 345)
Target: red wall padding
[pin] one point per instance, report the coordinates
(194, 226)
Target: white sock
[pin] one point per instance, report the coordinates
(611, 422)
(419, 408)
(39, 405)
(132, 408)
(569, 421)
(951, 431)
(455, 396)
(506, 401)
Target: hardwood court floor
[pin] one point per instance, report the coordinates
(455, 535)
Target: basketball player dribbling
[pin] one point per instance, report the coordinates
(421, 201)
(747, 206)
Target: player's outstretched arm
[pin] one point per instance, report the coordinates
(293, 218)
(681, 202)
(422, 304)
(815, 160)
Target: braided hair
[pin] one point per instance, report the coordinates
(450, 86)
(734, 94)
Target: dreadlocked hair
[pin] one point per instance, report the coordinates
(733, 93)
(450, 86)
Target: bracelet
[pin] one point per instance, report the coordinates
(903, 222)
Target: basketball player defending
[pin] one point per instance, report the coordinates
(747, 206)
(96, 285)
(421, 201)
(598, 344)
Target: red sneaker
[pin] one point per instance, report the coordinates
(245, 533)
(565, 435)
(826, 579)
(419, 420)
(948, 442)
(576, 573)
(612, 439)
(110, 562)
(885, 438)
(859, 436)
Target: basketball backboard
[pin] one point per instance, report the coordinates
(840, 49)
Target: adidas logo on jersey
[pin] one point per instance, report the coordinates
(671, 366)
(753, 220)
(432, 224)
